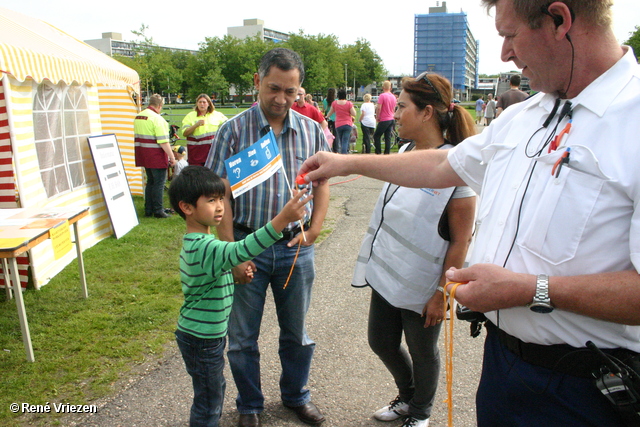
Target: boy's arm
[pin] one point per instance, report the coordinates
(228, 255)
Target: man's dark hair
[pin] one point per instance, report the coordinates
(284, 59)
(191, 183)
(515, 80)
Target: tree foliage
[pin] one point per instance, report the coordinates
(634, 41)
(224, 62)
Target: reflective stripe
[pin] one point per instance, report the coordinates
(411, 247)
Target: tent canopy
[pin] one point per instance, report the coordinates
(32, 48)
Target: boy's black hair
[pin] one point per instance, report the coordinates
(191, 183)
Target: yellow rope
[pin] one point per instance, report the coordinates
(448, 346)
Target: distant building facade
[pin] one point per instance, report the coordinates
(444, 44)
(253, 27)
(112, 44)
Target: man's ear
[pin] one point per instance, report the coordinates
(256, 81)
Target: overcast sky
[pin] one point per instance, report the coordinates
(185, 24)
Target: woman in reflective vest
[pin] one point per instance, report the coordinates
(200, 127)
(414, 236)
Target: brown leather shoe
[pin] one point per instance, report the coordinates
(249, 420)
(308, 413)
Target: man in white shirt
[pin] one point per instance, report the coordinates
(557, 252)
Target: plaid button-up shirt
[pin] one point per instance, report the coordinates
(301, 137)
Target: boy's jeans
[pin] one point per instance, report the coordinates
(204, 360)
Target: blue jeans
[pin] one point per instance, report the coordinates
(154, 190)
(295, 346)
(514, 393)
(204, 360)
(344, 133)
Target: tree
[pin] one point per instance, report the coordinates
(321, 57)
(634, 41)
(237, 60)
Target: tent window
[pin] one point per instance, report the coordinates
(61, 125)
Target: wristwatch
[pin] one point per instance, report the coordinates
(541, 302)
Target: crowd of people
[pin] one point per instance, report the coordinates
(555, 261)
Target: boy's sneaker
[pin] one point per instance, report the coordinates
(414, 422)
(394, 410)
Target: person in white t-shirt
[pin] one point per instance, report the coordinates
(367, 122)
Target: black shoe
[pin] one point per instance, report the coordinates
(160, 215)
(249, 420)
(308, 413)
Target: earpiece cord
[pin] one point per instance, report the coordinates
(573, 54)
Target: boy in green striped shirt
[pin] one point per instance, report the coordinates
(197, 195)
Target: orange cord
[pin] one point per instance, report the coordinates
(448, 346)
(297, 252)
(294, 264)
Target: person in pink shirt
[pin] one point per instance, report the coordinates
(384, 114)
(344, 120)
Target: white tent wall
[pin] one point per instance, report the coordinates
(31, 192)
(117, 111)
(53, 86)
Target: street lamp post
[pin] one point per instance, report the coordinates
(346, 83)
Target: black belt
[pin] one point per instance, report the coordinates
(562, 358)
(286, 234)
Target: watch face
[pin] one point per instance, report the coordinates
(541, 308)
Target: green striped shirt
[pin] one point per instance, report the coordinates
(207, 282)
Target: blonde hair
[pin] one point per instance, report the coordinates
(366, 97)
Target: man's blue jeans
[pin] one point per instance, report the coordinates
(204, 360)
(295, 347)
(154, 190)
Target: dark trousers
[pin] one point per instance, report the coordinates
(367, 138)
(415, 371)
(154, 191)
(385, 128)
(204, 360)
(514, 393)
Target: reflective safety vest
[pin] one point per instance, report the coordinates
(150, 130)
(402, 254)
(199, 142)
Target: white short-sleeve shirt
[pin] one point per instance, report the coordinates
(584, 220)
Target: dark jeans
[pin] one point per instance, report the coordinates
(385, 128)
(367, 138)
(295, 346)
(415, 371)
(154, 190)
(344, 133)
(204, 360)
(514, 393)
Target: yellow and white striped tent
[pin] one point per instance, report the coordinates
(43, 69)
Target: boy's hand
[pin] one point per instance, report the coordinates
(293, 211)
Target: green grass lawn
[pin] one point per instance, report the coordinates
(84, 346)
